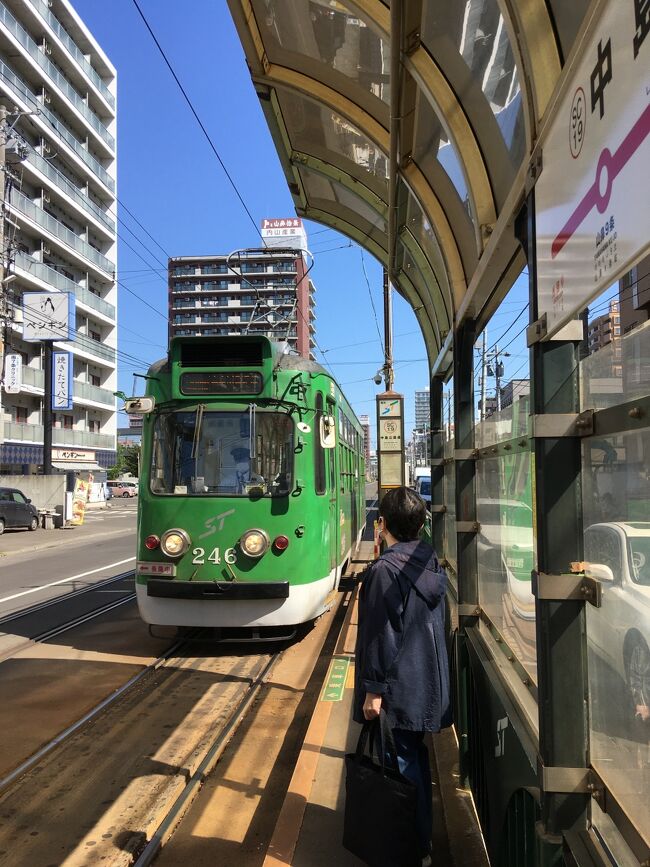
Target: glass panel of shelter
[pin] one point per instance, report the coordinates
(330, 38)
(616, 519)
(319, 131)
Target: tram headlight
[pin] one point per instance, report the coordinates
(255, 543)
(174, 542)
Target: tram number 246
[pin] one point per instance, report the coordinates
(199, 558)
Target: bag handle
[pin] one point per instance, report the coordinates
(382, 742)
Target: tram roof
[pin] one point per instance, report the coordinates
(412, 128)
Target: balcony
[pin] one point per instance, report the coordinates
(83, 343)
(74, 50)
(35, 213)
(69, 189)
(34, 377)
(53, 73)
(62, 131)
(58, 281)
(33, 433)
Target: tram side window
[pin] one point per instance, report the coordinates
(332, 456)
(320, 476)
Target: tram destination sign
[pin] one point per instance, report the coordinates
(591, 198)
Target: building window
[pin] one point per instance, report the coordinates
(67, 422)
(93, 425)
(95, 380)
(95, 335)
(21, 415)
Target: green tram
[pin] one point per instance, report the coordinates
(252, 486)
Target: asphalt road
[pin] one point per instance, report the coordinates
(35, 567)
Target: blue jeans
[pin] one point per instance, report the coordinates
(413, 762)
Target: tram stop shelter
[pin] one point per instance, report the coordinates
(469, 144)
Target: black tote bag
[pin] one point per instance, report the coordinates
(379, 823)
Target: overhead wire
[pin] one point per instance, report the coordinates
(196, 116)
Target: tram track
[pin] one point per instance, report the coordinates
(132, 728)
(12, 625)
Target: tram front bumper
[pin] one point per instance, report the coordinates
(220, 590)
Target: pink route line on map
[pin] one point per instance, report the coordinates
(609, 166)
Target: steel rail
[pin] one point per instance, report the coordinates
(65, 627)
(180, 806)
(73, 594)
(34, 759)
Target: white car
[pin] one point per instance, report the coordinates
(618, 555)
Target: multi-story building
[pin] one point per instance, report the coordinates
(422, 409)
(606, 329)
(59, 228)
(634, 296)
(512, 392)
(365, 424)
(254, 293)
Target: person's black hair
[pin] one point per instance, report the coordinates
(404, 513)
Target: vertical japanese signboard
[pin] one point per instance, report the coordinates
(13, 373)
(390, 441)
(62, 381)
(591, 199)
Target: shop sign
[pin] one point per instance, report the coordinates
(61, 380)
(13, 378)
(48, 316)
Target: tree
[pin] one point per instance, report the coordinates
(128, 461)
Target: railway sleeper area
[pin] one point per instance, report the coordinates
(123, 749)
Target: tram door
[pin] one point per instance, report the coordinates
(333, 493)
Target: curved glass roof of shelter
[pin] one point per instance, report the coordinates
(411, 127)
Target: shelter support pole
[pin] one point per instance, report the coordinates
(465, 469)
(437, 466)
(560, 625)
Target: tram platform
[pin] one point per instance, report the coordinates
(309, 828)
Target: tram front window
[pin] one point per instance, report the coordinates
(203, 453)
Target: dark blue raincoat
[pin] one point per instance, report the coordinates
(401, 652)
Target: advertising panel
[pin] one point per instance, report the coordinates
(79, 500)
(48, 316)
(13, 378)
(62, 380)
(591, 198)
(284, 232)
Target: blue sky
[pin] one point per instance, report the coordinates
(170, 180)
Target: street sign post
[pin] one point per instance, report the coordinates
(390, 441)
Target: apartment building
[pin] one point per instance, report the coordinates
(257, 292)
(59, 227)
(422, 409)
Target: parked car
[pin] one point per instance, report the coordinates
(16, 510)
(423, 488)
(618, 555)
(123, 489)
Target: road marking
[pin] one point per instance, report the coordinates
(63, 580)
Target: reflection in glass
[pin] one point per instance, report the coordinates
(319, 187)
(317, 130)
(198, 453)
(506, 553)
(330, 36)
(617, 372)
(616, 505)
(474, 32)
(432, 148)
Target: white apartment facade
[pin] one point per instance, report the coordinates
(59, 89)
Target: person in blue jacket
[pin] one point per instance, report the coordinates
(401, 663)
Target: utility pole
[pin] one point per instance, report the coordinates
(388, 335)
(483, 372)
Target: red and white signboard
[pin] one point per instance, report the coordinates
(591, 199)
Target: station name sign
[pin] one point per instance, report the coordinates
(591, 198)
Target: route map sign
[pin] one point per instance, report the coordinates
(591, 199)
